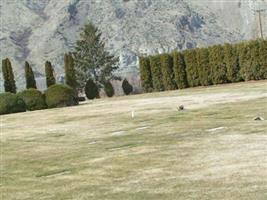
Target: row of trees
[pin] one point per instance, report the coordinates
(205, 66)
(87, 69)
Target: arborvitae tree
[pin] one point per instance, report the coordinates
(218, 67)
(232, 62)
(156, 74)
(167, 72)
(91, 59)
(263, 58)
(70, 78)
(145, 73)
(29, 76)
(179, 69)
(91, 90)
(256, 68)
(204, 68)
(191, 67)
(8, 75)
(127, 87)
(49, 72)
(108, 88)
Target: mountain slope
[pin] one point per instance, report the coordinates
(43, 30)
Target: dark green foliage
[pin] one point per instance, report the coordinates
(263, 58)
(91, 90)
(145, 71)
(192, 71)
(59, 95)
(11, 103)
(109, 90)
(167, 72)
(156, 74)
(217, 64)
(127, 87)
(33, 98)
(179, 69)
(232, 62)
(49, 73)
(91, 59)
(204, 69)
(29, 76)
(205, 66)
(8, 75)
(70, 78)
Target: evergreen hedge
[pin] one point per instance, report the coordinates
(91, 90)
(11, 103)
(109, 90)
(205, 66)
(145, 71)
(59, 95)
(127, 87)
(33, 98)
(166, 61)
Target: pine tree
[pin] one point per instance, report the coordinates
(218, 67)
(156, 74)
(192, 71)
(167, 72)
(8, 75)
(232, 62)
(91, 60)
(145, 74)
(203, 66)
(29, 76)
(179, 69)
(70, 78)
(49, 72)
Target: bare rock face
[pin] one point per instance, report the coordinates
(44, 30)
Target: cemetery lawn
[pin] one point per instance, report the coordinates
(214, 149)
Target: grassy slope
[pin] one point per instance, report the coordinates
(96, 151)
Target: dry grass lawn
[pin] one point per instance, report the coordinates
(212, 150)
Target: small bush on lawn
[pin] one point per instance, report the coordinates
(91, 89)
(60, 95)
(109, 90)
(33, 99)
(11, 103)
(127, 87)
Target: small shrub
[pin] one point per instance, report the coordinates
(109, 90)
(60, 95)
(11, 103)
(91, 90)
(33, 99)
(127, 87)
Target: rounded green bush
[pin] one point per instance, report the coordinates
(109, 90)
(11, 103)
(127, 87)
(33, 99)
(91, 89)
(60, 95)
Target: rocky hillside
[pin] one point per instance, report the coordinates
(36, 30)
